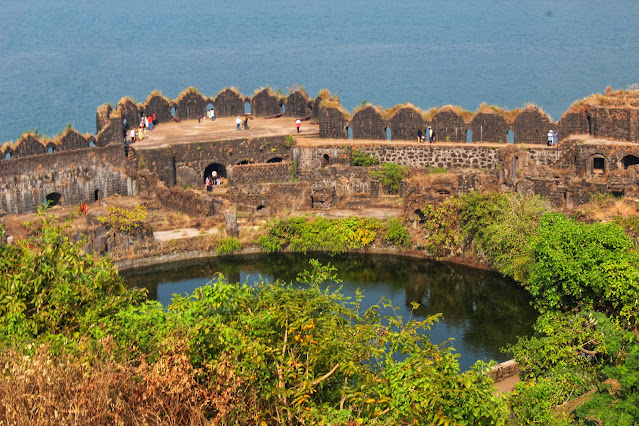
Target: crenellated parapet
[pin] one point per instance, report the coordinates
(613, 116)
(30, 144)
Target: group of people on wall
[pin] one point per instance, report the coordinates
(136, 134)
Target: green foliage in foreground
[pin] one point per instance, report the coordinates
(276, 353)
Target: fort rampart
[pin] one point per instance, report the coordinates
(73, 168)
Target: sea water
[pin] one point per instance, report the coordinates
(60, 60)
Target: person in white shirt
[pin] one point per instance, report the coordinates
(238, 122)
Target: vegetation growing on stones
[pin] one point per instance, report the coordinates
(390, 176)
(123, 219)
(363, 158)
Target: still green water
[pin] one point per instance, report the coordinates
(482, 311)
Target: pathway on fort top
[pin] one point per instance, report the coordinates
(190, 131)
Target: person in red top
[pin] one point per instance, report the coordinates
(298, 124)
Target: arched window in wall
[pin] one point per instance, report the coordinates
(388, 133)
(511, 136)
(247, 107)
(469, 135)
(349, 132)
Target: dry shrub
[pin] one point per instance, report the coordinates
(46, 389)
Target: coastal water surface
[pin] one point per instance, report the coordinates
(60, 60)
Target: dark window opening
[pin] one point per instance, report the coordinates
(629, 160)
(260, 207)
(326, 160)
(53, 199)
(275, 160)
(443, 192)
(96, 195)
(589, 125)
(243, 162)
(617, 194)
(598, 164)
(420, 215)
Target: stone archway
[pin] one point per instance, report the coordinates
(53, 199)
(219, 168)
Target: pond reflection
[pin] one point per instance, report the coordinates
(482, 311)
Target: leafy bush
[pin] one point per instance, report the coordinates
(124, 219)
(397, 234)
(390, 176)
(582, 266)
(441, 224)
(335, 236)
(363, 158)
(227, 246)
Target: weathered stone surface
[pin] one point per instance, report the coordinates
(228, 103)
(405, 123)
(447, 124)
(367, 123)
(297, 104)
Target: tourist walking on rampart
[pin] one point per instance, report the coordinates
(245, 120)
(208, 184)
(298, 124)
(420, 136)
(551, 135)
(432, 136)
(238, 121)
(132, 135)
(555, 139)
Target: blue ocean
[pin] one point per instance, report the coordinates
(60, 60)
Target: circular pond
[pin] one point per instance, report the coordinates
(481, 310)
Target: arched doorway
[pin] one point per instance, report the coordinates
(469, 135)
(217, 167)
(211, 107)
(349, 132)
(247, 107)
(53, 199)
(511, 136)
(629, 160)
(96, 195)
(388, 133)
(173, 113)
(326, 160)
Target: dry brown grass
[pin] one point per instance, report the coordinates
(626, 99)
(606, 208)
(154, 94)
(63, 390)
(362, 107)
(466, 115)
(428, 115)
(125, 100)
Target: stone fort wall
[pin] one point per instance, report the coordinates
(69, 177)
